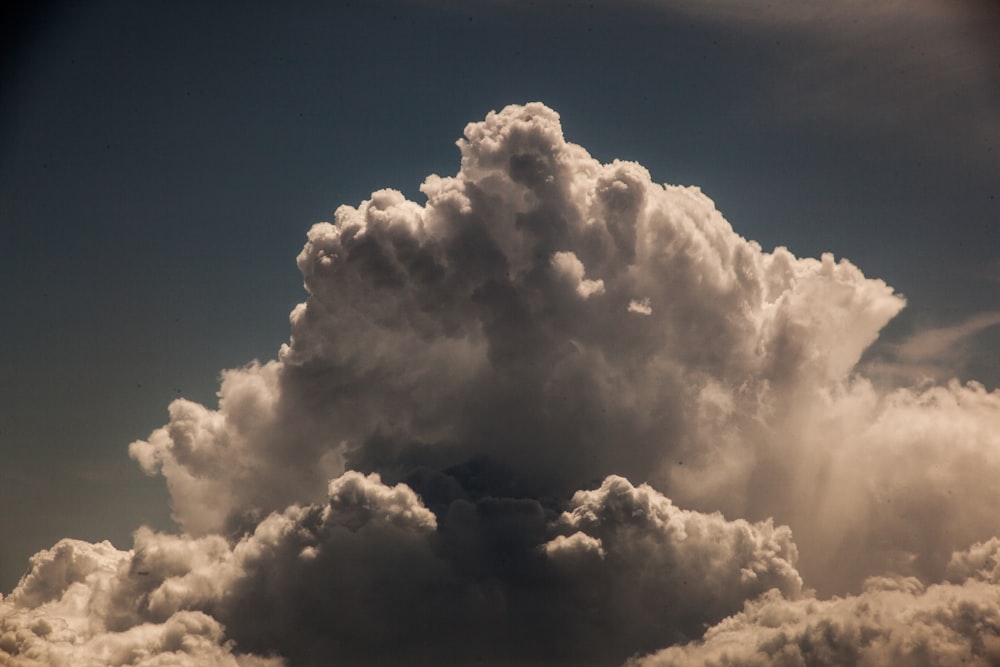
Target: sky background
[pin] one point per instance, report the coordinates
(160, 164)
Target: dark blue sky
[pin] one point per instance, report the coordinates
(160, 164)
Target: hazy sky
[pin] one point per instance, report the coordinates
(162, 163)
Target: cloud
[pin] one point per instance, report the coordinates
(789, 12)
(630, 555)
(895, 620)
(493, 322)
(881, 67)
(476, 444)
(160, 602)
(368, 578)
(933, 344)
(84, 605)
(570, 266)
(931, 354)
(642, 307)
(491, 580)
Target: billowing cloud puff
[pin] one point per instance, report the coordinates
(367, 578)
(436, 325)
(159, 604)
(893, 621)
(653, 571)
(80, 606)
(980, 562)
(470, 449)
(565, 319)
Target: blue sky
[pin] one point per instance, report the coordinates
(161, 163)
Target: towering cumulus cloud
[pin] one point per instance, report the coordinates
(556, 414)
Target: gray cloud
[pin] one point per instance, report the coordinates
(470, 449)
(653, 571)
(452, 331)
(371, 577)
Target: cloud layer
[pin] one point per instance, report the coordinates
(371, 577)
(894, 621)
(470, 450)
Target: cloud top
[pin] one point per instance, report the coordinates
(512, 291)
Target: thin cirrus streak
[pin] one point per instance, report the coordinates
(939, 65)
(557, 414)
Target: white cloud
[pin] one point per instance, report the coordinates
(642, 307)
(362, 578)
(569, 266)
(159, 603)
(438, 333)
(83, 605)
(403, 483)
(894, 621)
(431, 325)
